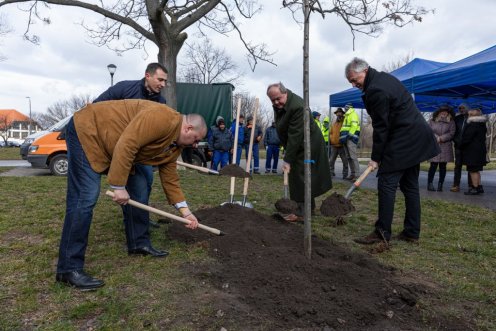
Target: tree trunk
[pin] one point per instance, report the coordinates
(306, 136)
(167, 56)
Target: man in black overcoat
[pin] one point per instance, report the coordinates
(288, 115)
(402, 139)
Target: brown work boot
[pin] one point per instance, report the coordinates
(371, 238)
(455, 188)
(401, 236)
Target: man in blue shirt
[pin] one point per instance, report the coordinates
(139, 184)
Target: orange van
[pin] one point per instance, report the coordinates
(50, 151)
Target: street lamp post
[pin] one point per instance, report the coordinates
(29, 125)
(112, 68)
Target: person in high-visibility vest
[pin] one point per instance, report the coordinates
(348, 136)
(325, 132)
(316, 118)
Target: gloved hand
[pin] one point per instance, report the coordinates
(354, 138)
(342, 139)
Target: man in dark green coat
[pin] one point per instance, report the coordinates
(288, 115)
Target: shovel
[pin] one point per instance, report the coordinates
(168, 215)
(245, 202)
(286, 188)
(357, 183)
(235, 172)
(202, 169)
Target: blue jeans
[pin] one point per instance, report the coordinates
(137, 191)
(83, 190)
(221, 157)
(256, 164)
(272, 154)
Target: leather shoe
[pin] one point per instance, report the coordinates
(148, 250)
(79, 280)
(455, 188)
(371, 238)
(401, 236)
(351, 178)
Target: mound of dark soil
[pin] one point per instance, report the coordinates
(286, 206)
(233, 170)
(263, 280)
(336, 205)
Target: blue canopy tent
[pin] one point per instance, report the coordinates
(471, 80)
(411, 69)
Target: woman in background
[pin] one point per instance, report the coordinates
(443, 125)
(473, 147)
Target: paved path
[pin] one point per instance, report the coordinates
(486, 200)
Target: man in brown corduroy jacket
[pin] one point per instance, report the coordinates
(109, 138)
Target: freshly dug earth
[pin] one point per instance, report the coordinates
(233, 170)
(262, 280)
(286, 206)
(336, 205)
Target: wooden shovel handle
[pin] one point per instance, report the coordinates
(202, 169)
(363, 176)
(168, 215)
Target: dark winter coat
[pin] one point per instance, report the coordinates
(444, 129)
(473, 143)
(247, 135)
(220, 140)
(289, 124)
(271, 137)
(130, 89)
(401, 138)
(460, 122)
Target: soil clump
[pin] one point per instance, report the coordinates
(336, 205)
(262, 280)
(233, 170)
(286, 206)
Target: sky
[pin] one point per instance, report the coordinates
(65, 63)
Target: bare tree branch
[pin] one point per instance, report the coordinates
(364, 16)
(206, 64)
(129, 24)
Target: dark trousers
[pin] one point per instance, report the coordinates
(335, 152)
(433, 169)
(387, 185)
(187, 155)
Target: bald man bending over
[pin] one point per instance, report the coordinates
(109, 138)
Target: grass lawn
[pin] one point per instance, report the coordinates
(10, 153)
(457, 255)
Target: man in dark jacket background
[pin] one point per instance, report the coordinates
(401, 140)
(220, 142)
(140, 182)
(460, 123)
(272, 143)
(256, 140)
(288, 115)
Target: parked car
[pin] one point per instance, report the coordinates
(11, 142)
(57, 127)
(28, 141)
(50, 150)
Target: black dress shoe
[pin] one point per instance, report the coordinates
(79, 280)
(148, 250)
